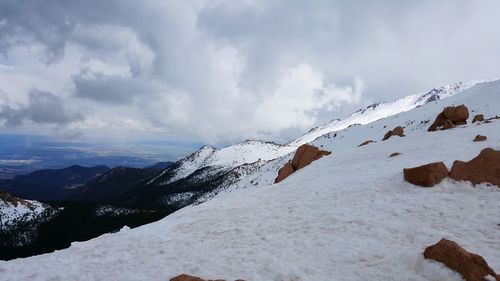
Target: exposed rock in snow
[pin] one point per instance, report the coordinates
(471, 266)
(480, 138)
(365, 143)
(398, 131)
(484, 168)
(478, 118)
(450, 117)
(427, 175)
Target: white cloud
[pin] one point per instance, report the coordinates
(224, 70)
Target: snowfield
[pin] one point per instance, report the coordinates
(347, 216)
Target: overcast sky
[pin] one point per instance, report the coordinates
(220, 71)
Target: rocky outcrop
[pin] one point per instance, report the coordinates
(304, 156)
(480, 138)
(450, 117)
(284, 172)
(394, 154)
(398, 131)
(426, 175)
(484, 168)
(185, 277)
(365, 143)
(478, 118)
(471, 266)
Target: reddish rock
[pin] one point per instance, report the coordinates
(185, 277)
(457, 114)
(484, 168)
(304, 156)
(394, 154)
(398, 131)
(426, 175)
(450, 117)
(448, 124)
(480, 138)
(478, 118)
(471, 266)
(365, 143)
(284, 172)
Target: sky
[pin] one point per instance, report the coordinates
(222, 71)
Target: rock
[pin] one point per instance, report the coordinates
(450, 117)
(471, 266)
(480, 138)
(484, 168)
(394, 154)
(478, 118)
(284, 172)
(398, 131)
(457, 114)
(304, 156)
(365, 143)
(448, 125)
(185, 277)
(426, 175)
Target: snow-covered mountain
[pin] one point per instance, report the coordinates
(251, 151)
(385, 109)
(21, 216)
(347, 216)
(227, 158)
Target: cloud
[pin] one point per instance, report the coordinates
(42, 108)
(221, 71)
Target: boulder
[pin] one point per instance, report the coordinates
(484, 168)
(480, 138)
(448, 125)
(365, 143)
(185, 277)
(304, 156)
(457, 114)
(478, 118)
(398, 131)
(450, 117)
(471, 266)
(394, 154)
(426, 175)
(284, 172)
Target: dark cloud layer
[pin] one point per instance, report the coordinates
(225, 70)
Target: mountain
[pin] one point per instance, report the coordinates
(51, 184)
(381, 110)
(346, 216)
(160, 166)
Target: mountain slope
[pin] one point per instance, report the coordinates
(385, 109)
(51, 184)
(347, 216)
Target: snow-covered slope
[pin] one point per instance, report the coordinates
(347, 216)
(385, 109)
(13, 209)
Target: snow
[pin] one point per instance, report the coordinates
(383, 110)
(347, 216)
(9, 212)
(228, 157)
